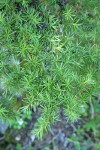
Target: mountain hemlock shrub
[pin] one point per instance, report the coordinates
(49, 58)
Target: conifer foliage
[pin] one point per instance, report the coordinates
(49, 58)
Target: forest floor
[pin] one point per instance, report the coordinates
(59, 137)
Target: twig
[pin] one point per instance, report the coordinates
(92, 109)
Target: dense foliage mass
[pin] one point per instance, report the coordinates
(49, 58)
